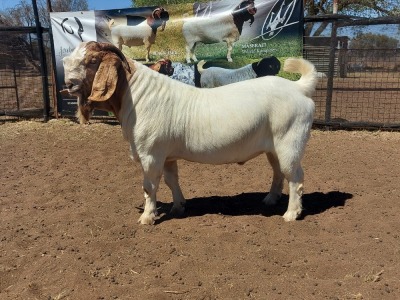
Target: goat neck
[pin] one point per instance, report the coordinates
(243, 12)
(158, 19)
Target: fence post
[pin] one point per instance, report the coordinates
(43, 63)
(56, 87)
(15, 84)
(331, 72)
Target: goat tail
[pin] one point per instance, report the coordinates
(200, 65)
(309, 75)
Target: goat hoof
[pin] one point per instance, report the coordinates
(147, 219)
(271, 199)
(177, 211)
(291, 215)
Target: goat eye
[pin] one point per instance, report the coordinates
(93, 60)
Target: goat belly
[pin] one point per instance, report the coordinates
(218, 34)
(232, 155)
(132, 42)
(238, 151)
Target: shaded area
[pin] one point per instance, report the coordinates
(251, 204)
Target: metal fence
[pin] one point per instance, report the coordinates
(21, 74)
(358, 87)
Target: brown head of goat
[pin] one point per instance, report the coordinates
(98, 74)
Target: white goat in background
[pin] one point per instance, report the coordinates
(216, 29)
(141, 34)
(165, 120)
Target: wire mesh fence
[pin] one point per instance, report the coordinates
(367, 93)
(370, 92)
(358, 87)
(21, 90)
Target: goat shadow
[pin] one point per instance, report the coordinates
(251, 204)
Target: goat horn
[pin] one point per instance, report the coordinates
(112, 48)
(157, 12)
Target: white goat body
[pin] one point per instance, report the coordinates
(137, 35)
(142, 34)
(209, 31)
(229, 124)
(165, 120)
(217, 28)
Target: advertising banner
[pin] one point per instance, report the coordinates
(227, 35)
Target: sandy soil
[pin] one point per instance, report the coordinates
(71, 196)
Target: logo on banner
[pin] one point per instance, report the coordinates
(278, 18)
(70, 30)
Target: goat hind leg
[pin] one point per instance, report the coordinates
(295, 193)
(277, 181)
(171, 179)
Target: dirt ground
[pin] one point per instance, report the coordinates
(71, 196)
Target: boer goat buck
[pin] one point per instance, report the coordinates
(141, 34)
(165, 120)
(217, 28)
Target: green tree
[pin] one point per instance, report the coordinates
(373, 41)
(22, 14)
(360, 8)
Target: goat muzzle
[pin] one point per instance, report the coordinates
(163, 25)
(252, 10)
(64, 92)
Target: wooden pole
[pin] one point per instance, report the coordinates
(335, 6)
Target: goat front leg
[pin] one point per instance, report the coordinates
(190, 53)
(119, 43)
(152, 172)
(172, 181)
(229, 53)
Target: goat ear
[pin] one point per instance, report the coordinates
(106, 78)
